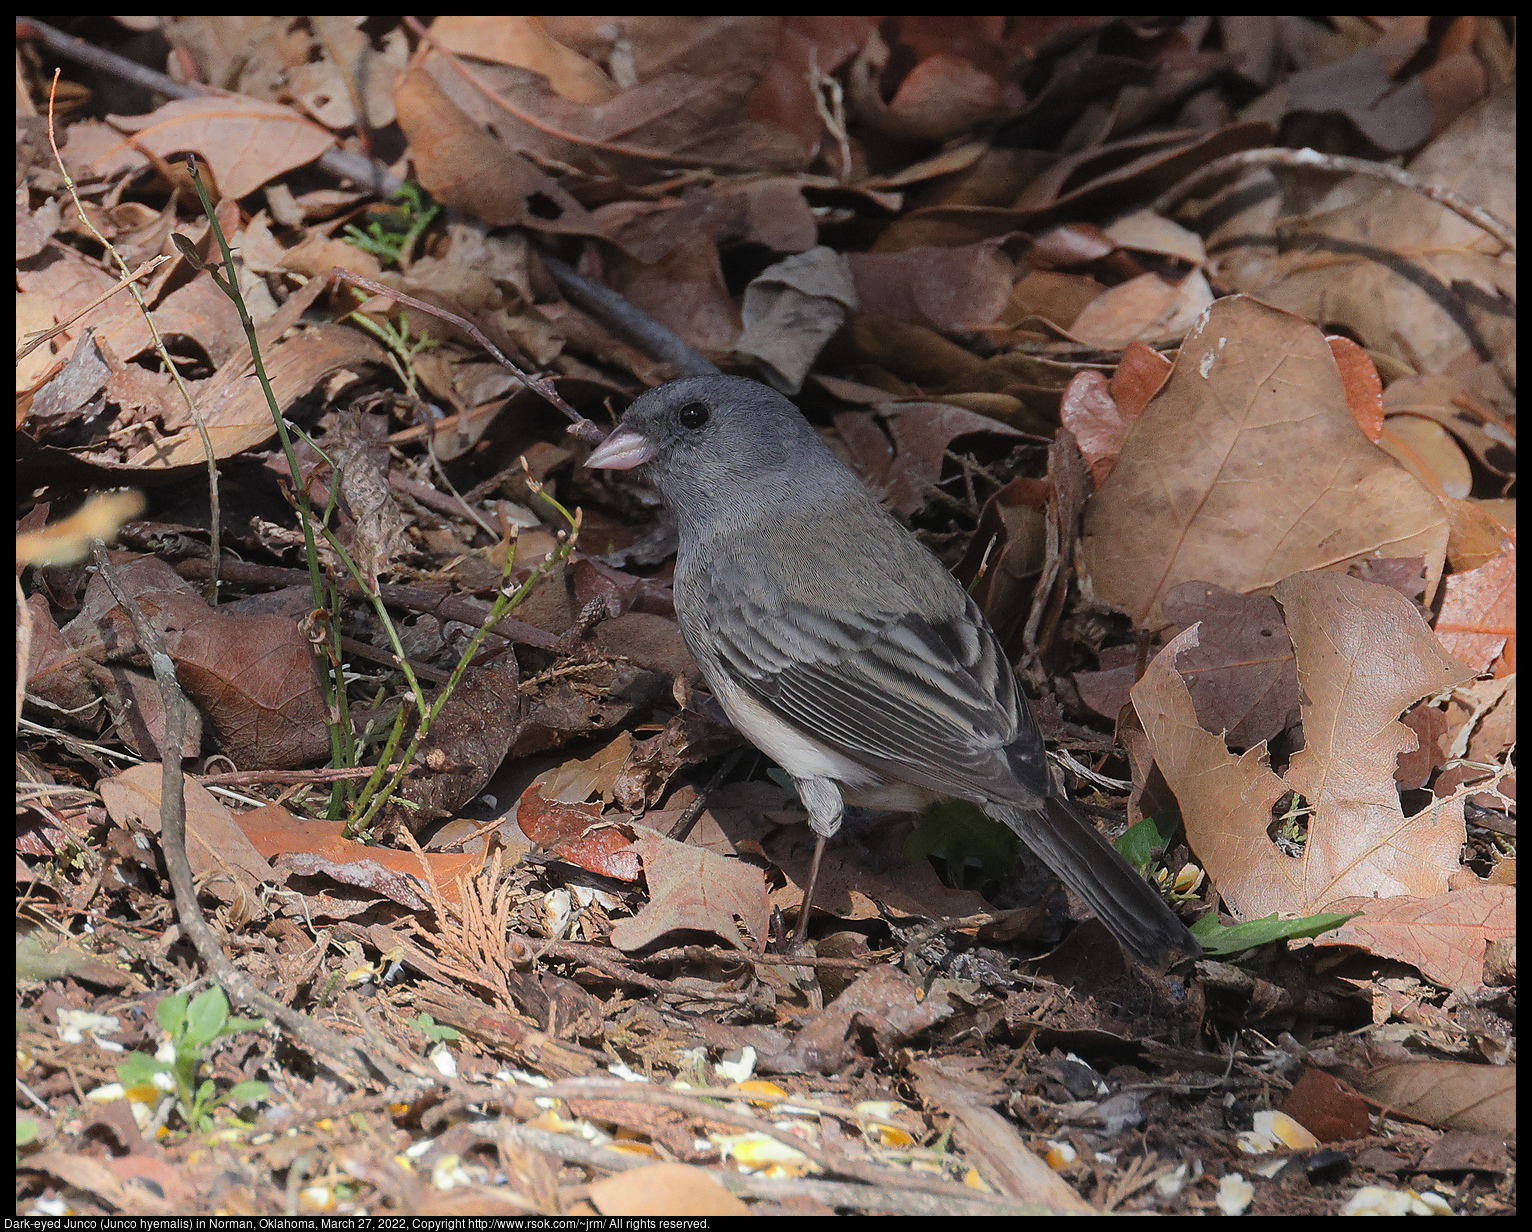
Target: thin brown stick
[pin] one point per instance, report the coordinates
(412, 598)
(613, 968)
(324, 774)
(350, 1060)
(1313, 160)
(41, 336)
(581, 427)
(626, 319)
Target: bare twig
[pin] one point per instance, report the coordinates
(411, 598)
(603, 960)
(541, 385)
(41, 336)
(1313, 160)
(630, 322)
(323, 774)
(239, 986)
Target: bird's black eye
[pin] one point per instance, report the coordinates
(693, 415)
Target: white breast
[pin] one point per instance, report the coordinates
(803, 757)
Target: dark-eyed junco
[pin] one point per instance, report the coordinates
(841, 648)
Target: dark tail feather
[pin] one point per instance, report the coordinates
(1089, 865)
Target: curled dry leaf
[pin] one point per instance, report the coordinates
(576, 834)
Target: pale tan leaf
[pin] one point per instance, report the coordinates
(1248, 466)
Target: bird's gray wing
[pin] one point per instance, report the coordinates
(929, 700)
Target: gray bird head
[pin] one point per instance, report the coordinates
(707, 439)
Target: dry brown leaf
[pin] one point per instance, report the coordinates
(576, 780)
(255, 680)
(1365, 87)
(684, 289)
(1143, 309)
(941, 288)
(1444, 936)
(647, 230)
(649, 641)
(98, 1178)
(1480, 532)
(253, 677)
(1242, 674)
(1248, 466)
(223, 860)
(576, 834)
(791, 309)
(205, 314)
(899, 449)
(1364, 657)
(310, 846)
(137, 708)
(235, 409)
(1429, 723)
(664, 1190)
(1084, 185)
(1478, 617)
(1008, 552)
(692, 115)
(809, 46)
(687, 738)
(1490, 706)
(941, 95)
(1430, 453)
(1090, 412)
(347, 73)
(1146, 231)
(244, 141)
(1043, 298)
(58, 290)
(1327, 1107)
(525, 43)
(1449, 400)
(466, 744)
(1405, 276)
(1363, 385)
(462, 165)
(885, 1001)
(694, 889)
(607, 696)
(776, 214)
(57, 672)
(1447, 1094)
(1137, 378)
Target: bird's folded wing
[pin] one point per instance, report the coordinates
(930, 701)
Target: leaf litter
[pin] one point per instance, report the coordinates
(1229, 462)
